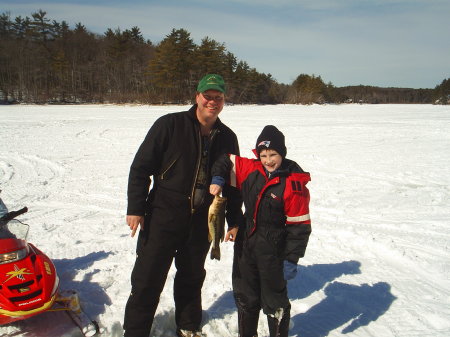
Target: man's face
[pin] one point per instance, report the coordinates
(210, 104)
(270, 159)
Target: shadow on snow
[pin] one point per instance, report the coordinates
(354, 305)
(92, 295)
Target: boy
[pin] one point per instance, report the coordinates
(275, 234)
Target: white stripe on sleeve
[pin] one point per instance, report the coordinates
(298, 218)
(233, 171)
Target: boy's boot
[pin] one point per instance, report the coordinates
(277, 327)
(188, 333)
(248, 323)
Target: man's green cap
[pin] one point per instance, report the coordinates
(211, 82)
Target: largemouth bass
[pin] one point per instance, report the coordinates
(216, 224)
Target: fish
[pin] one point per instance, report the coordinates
(216, 225)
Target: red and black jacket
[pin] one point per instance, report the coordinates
(277, 206)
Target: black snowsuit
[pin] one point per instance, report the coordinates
(277, 228)
(174, 228)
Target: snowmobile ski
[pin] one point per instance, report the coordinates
(69, 302)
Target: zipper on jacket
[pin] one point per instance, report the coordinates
(211, 139)
(269, 183)
(199, 159)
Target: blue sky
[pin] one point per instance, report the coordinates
(387, 43)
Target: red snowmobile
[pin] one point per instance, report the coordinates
(29, 284)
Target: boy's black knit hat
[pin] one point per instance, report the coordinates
(271, 138)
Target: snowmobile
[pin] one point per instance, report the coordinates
(29, 283)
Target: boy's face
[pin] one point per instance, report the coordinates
(270, 159)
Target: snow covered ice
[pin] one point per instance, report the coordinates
(378, 261)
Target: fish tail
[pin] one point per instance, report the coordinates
(215, 253)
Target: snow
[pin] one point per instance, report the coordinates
(378, 261)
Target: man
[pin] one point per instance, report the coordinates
(178, 152)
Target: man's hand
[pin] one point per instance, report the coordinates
(133, 222)
(231, 234)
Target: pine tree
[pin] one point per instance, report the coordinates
(171, 68)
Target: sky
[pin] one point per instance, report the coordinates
(386, 43)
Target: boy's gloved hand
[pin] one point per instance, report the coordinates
(290, 270)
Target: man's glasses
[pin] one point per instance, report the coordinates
(213, 98)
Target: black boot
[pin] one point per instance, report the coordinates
(188, 333)
(279, 323)
(248, 323)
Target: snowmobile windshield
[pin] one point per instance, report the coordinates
(13, 229)
(3, 208)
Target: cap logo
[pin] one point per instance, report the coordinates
(265, 143)
(212, 80)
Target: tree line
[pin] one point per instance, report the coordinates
(45, 61)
